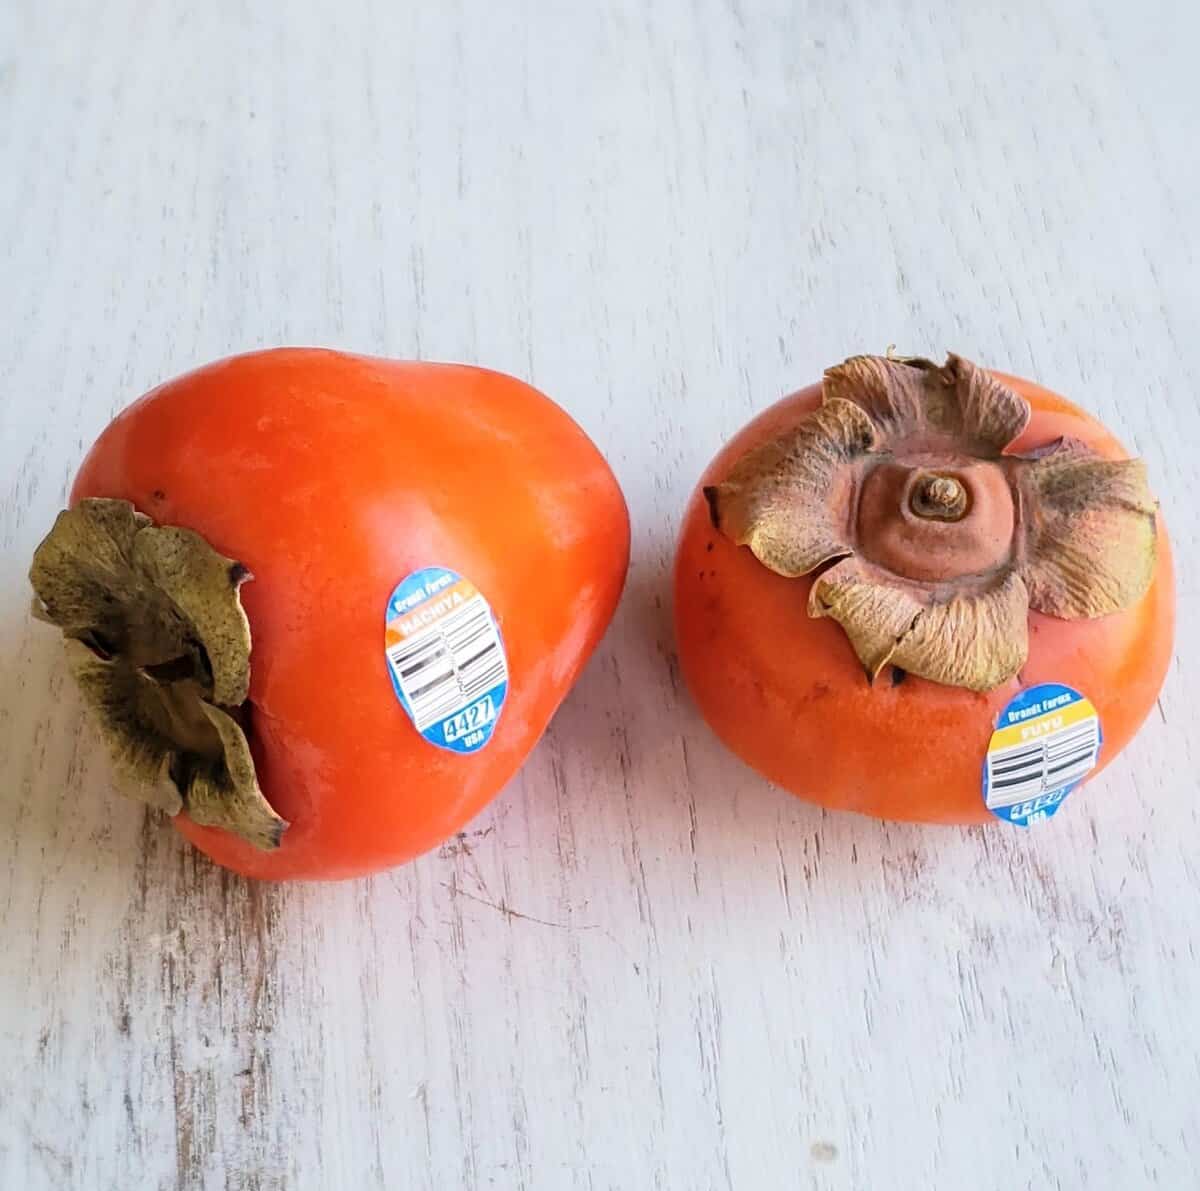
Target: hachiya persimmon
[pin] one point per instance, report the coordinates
(925, 592)
(323, 606)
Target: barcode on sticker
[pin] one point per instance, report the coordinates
(1052, 762)
(444, 668)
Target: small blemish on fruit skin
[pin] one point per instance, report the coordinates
(158, 495)
(708, 547)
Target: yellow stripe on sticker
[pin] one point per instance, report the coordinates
(1046, 723)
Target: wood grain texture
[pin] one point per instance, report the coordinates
(643, 967)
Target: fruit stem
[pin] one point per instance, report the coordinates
(938, 498)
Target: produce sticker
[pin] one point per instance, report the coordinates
(1047, 740)
(446, 658)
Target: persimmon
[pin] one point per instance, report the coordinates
(323, 606)
(923, 592)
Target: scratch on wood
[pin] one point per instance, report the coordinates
(508, 912)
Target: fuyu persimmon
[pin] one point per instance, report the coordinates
(323, 606)
(924, 592)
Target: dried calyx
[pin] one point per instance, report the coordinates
(939, 542)
(160, 646)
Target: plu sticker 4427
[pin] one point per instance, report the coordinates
(1047, 740)
(446, 658)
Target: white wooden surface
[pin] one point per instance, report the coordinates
(643, 967)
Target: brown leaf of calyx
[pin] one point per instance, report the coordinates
(784, 499)
(158, 642)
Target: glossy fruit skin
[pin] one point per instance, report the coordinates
(786, 693)
(333, 477)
